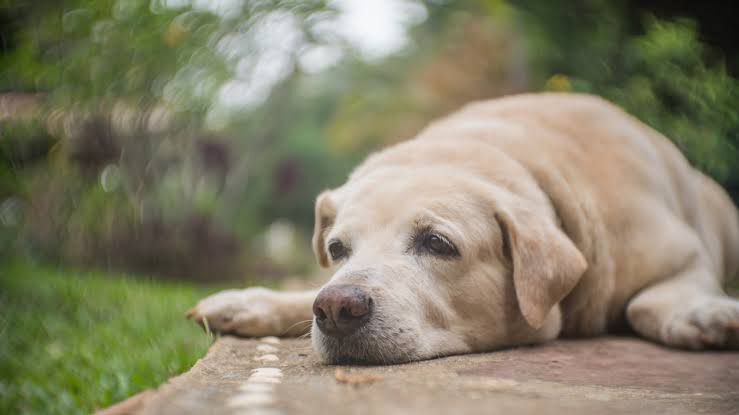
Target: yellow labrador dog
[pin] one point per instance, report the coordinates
(513, 221)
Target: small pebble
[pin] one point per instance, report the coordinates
(267, 371)
(263, 379)
(267, 358)
(270, 340)
(251, 399)
(265, 375)
(259, 377)
(257, 387)
(266, 348)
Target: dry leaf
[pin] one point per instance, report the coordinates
(355, 379)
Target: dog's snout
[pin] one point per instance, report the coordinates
(342, 309)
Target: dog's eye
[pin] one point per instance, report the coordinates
(439, 245)
(337, 250)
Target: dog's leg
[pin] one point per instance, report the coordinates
(256, 312)
(689, 310)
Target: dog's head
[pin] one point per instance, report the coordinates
(432, 261)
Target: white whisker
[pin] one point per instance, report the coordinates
(296, 324)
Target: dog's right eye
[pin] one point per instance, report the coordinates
(428, 242)
(439, 245)
(337, 250)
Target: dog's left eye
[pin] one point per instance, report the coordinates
(439, 245)
(337, 250)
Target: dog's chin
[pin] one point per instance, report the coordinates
(367, 346)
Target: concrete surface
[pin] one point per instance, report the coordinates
(596, 376)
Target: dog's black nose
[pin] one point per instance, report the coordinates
(341, 309)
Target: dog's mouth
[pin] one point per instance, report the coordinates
(367, 346)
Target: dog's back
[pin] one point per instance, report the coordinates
(625, 194)
(721, 230)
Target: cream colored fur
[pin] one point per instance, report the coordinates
(571, 218)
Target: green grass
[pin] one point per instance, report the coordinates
(74, 342)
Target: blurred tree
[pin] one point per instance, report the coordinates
(658, 70)
(130, 89)
(714, 23)
(167, 135)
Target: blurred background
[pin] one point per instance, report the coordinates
(188, 139)
(185, 140)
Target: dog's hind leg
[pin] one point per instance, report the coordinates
(689, 310)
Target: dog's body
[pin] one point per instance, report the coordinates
(512, 221)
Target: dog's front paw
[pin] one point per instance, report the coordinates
(709, 323)
(253, 312)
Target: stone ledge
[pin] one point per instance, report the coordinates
(603, 375)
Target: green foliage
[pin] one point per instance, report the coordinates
(657, 70)
(670, 86)
(85, 52)
(21, 143)
(108, 68)
(74, 342)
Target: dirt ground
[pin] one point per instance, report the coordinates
(596, 376)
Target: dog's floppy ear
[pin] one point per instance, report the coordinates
(324, 219)
(546, 264)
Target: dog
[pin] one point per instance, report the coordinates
(511, 222)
